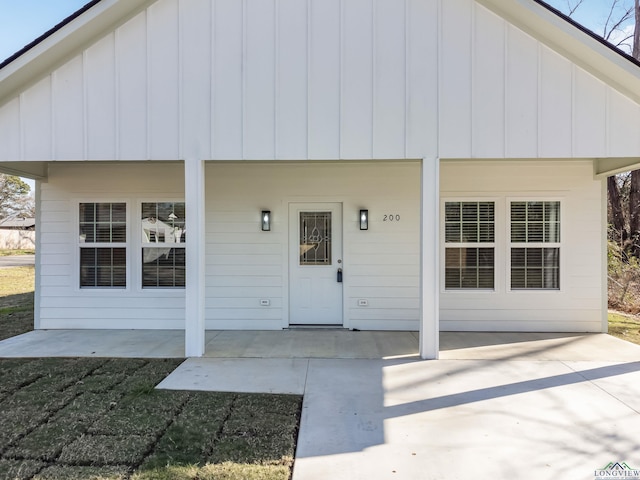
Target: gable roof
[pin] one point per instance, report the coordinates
(70, 36)
(536, 17)
(572, 40)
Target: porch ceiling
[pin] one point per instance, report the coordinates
(33, 170)
(605, 167)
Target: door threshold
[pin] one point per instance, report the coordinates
(316, 327)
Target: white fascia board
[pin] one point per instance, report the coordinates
(571, 42)
(32, 170)
(606, 167)
(64, 43)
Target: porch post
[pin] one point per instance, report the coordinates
(429, 259)
(194, 329)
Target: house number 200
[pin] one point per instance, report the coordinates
(391, 218)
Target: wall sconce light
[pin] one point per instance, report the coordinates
(266, 220)
(364, 219)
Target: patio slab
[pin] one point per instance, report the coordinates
(95, 343)
(311, 343)
(459, 419)
(248, 375)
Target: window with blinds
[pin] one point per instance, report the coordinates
(469, 245)
(163, 245)
(102, 242)
(535, 245)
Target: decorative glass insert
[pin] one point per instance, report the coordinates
(469, 268)
(535, 268)
(315, 238)
(535, 222)
(466, 226)
(103, 267)
(103, 222)
(163, 244)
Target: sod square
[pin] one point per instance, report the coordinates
(209, 404)
(86, 408)
(261, 450)
(69, 369)
(98, 383)
(187, 440)
(15, 373)
(96, 450)
(141, 414)
(154, 400)
(19, 469)
(241, 424)
(261, 405)
(17, 420)
(45, 398)
(131, 422)
(149, 375)
(124, 366)
(225, 471)
(193, 455)
(64, 472)
(46, 441)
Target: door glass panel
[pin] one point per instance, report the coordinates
(315, 238)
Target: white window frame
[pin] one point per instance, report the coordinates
(80, 244)
(497, 256)
(560, 245)
(139, 245)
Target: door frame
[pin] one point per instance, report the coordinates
(287, 265)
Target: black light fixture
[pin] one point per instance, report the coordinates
(364, 219)
(266, 220)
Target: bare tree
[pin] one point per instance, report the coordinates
(623, 190)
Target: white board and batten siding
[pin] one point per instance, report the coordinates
(287, 81)
(229, 80)
(246, 265)
(63, 304)
(577, 305)
(317, 79)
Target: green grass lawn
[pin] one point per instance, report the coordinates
(5, 252)
(102, 419)
(624, 327)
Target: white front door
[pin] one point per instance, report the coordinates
(315, 264)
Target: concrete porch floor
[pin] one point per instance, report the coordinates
(341, 344)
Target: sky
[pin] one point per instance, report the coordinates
(22, 21)
(593, 14)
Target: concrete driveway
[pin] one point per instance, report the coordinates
(496, 406)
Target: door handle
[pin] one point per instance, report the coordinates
(339, 275)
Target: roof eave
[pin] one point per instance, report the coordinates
(597, 58)
(63, 43)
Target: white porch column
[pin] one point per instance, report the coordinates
(429, 259)
(194, 330)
